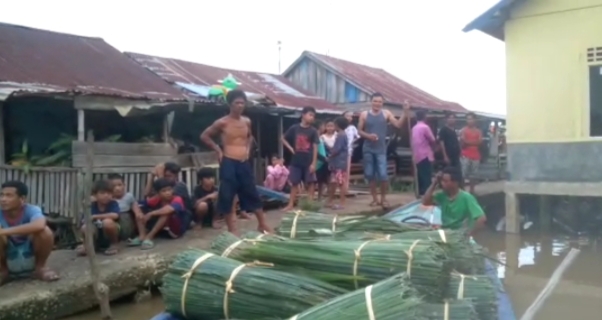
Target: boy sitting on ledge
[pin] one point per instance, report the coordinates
(25, 240)
(162, 212)
(105, 216)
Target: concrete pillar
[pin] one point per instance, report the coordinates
(512, 213)
(545, 214)
(513, 246)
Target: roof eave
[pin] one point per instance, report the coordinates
(492, 21)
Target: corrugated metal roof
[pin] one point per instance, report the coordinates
(373, 80)
(34, 60)
(492, 21)
(275, 87)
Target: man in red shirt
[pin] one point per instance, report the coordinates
(470, 140)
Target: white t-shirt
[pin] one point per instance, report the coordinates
(329, 141)
(352, 135)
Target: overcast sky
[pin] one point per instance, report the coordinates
(419, 41)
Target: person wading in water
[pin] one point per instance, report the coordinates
(235, 171)
(373, 128)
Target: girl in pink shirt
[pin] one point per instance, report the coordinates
(277, 176)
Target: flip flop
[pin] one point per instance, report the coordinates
(147, 245)
(374, 204)
(4, 277)
(112, 250)
(136, 242)
(45, 275)
(81, 250)
(385, 204)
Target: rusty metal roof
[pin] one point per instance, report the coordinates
(34, 60)
(277, 88)
(373, 80)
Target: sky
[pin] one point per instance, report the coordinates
(419, 41)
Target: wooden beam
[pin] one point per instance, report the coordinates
(2, 145)
(578, 189)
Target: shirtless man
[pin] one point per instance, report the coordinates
(235, 171)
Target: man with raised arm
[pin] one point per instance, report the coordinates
(235, 171)
(373, 128)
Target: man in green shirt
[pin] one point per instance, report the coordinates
(459, 209)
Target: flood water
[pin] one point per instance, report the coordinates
(530, 260)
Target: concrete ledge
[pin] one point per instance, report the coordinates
(588, 189)
(125, 273)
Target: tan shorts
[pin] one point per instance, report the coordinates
(469, 167)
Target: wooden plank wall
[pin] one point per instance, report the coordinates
(122, 155)
(55, 189)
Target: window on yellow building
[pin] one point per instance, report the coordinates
(595, 101)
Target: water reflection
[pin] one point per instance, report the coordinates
(528, 261)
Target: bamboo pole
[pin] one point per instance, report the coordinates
(101, 290)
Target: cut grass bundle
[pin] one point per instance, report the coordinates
(201, 285)
(355, 264)
(478, 289)
(391, 299)
(449, 310)
(309, 225)
(228, 245)
(466, 257)
(298, 224)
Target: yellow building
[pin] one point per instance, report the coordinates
(554, 96)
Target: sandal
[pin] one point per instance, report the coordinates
(136, 242)
(4, 277)
(45, 275)
(374, 204)
(80, 250)
(112, 250)
(147, 245)
(385, 204)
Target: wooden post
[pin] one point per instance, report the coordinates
(2, 146)
(101, 290)
(280, 133)
(81, 125)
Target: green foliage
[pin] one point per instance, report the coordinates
(56, 155)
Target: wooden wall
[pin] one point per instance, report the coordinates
(123, 155)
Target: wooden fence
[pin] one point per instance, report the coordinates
(55, 189)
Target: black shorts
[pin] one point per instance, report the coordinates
(299, 174)
(237, 179)
(323, 174)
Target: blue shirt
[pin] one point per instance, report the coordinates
(339, 153)
(30, 213)
(111, 207)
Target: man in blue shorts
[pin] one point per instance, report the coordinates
(235, 171)
(373, 128)
(25, 240)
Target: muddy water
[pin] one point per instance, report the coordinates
(529, 262)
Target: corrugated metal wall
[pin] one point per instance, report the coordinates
(325, 84)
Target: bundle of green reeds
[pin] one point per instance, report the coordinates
(391, 299)
(449, 310)
(311, 225)
(299, 224)
(466, 257)
(479, 289)
(201, 285)
(227, 245)
(355, 264)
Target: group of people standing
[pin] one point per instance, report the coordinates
(459, 150)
